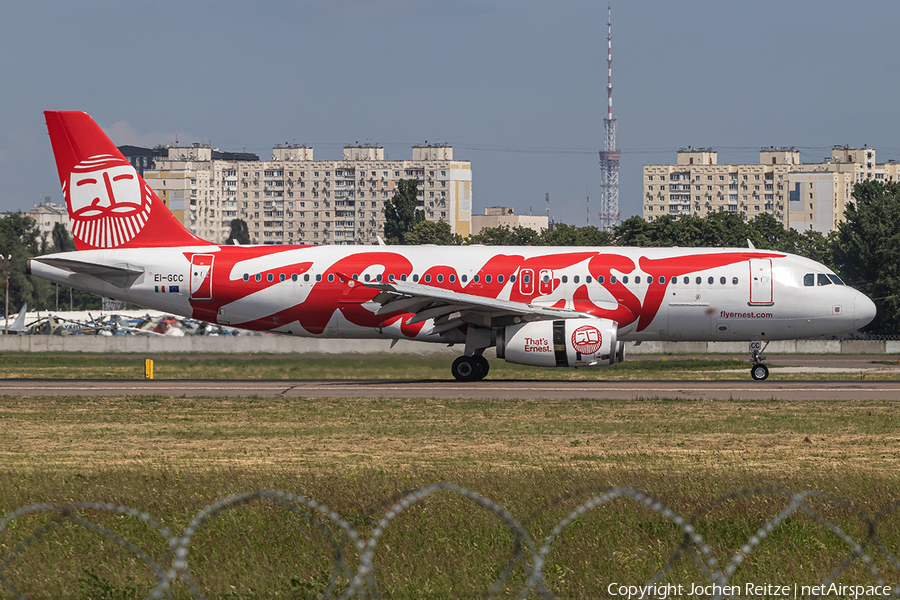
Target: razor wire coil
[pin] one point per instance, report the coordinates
(531, 557)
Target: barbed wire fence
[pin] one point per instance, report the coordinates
(529, 554)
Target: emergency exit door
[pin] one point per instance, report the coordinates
(201, 277)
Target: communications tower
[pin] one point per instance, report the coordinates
(609, 156)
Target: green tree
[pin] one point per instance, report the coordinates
(633, 231)
(20, 239)
(570, 235)
(400, 214)
(504, 236)
(239, 231)
(431, 232)
(62, 241)
(63, 296)
(868, 247)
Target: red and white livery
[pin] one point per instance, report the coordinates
(541, 306)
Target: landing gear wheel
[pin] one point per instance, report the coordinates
(482, 366)
(463, 368)
(470, 368)
(759, 372)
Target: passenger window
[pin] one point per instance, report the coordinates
(499, 278)
(565, 278)
(687, 280)
(452, 278)
(709, 281)
(526, 278)
(734, 280)
(476, 279)
(575, 279)
(625, 279)
(637, 278)
(612, 279)
(835, 279)
(306, 277)
(331, 277)
(391, 277)
(415, 278)
(464, 278)
(809, 280)
(440, 279)
(403, 277)
(246, 276)
(722, 280)
(662, 279)
(588, 279)
(293, 277)
(512, 278)
(282, 277)
(487, 278)
(823, 279)
(427, 278)
(319, 277)
(258, 277)
(378, 277)
(366, 277)
(674, 280)
(699, 280)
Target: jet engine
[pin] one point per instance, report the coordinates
(585, 342)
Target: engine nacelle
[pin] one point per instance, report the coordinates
(587, 342)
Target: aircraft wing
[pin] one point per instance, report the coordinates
(119, 275)
(451, 309)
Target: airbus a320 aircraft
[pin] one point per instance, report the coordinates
(540, 306)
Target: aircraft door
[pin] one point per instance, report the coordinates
(546, 282)
(526, 282)
(761, 283)
(201, 277)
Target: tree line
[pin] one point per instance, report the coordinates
(864, 250)
(20, 239)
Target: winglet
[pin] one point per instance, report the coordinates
(749, 243)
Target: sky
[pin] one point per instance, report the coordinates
(517, 87)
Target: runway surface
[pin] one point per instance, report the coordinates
(738, 389)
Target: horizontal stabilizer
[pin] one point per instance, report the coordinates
(118, 275)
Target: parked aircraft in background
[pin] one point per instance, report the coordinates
(540, 306)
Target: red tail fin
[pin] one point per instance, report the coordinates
(110, 205)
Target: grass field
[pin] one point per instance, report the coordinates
(539, 460)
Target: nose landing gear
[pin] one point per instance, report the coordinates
(758, 371)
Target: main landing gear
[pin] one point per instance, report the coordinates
(470, 368)
(758, 371)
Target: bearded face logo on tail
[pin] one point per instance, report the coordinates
(108, 203)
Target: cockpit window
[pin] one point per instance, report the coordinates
(822, 279)
(809, 280)
(835, 279)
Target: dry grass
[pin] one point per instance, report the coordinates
(173, 456)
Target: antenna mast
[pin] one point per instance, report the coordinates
(609, 156)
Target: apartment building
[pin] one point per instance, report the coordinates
(295, 199)
(805, 196)
(504, 216)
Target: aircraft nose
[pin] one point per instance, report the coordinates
(863, 310)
